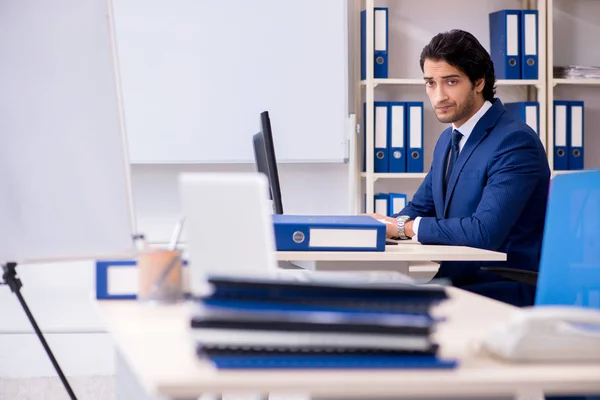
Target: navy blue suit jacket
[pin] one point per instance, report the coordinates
(496, 196)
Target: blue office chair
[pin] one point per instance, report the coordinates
(569, 272)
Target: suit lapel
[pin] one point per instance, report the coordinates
(482, 128)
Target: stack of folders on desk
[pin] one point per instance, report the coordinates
(251, 323)
(398, 138)
(568, 135)
(514, 43)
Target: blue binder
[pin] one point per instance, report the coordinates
(504, 43)
(328, 233)
(397, 136)
(382, 204)
(380, 137)
(576, 139)
(380, 43)
(104, 291)
(107, 289)
(570, 262)
(526, 111)
(529, 44)
(397, 203)
(381, 158)
(562, 134)
(414, 137)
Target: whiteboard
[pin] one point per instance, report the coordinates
(197, 73)
(64, 185)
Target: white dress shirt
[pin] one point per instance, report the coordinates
(466, 130)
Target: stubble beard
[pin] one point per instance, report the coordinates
(464, 111)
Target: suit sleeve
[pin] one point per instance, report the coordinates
(422, 203)
(513, 173)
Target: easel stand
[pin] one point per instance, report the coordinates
(10, 278)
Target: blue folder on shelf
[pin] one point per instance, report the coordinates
(397, 203)
(397, 136)
(562, 135)
(526, 111)
(529, 44)
(328, 233)
(576, 141)
(505, 27)
(382, 204)
(414, 141)
(380, 43)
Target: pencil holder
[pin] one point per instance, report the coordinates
(160, 278)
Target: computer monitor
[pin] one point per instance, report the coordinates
(266, 162)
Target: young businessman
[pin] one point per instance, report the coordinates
(489, 178)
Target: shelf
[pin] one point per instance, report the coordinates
(562, 172)
(400, 175)
(576, 81)
(417, 81)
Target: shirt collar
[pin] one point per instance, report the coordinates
(468, 126)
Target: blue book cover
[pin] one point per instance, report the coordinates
(328, 233)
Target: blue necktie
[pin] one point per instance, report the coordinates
(454, 150)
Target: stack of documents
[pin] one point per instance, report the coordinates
(577, 72)
(284, 323)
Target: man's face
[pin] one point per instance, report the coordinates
(453, 97)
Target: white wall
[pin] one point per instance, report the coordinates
(60, 295)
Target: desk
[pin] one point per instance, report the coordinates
(394, 258)
(155, 356)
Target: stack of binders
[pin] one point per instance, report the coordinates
(514, 43)
(568, 135)
(389, 204)
(256, 323)
(398, 136)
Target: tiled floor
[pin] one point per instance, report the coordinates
(88, 388)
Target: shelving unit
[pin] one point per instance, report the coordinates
(499, 82)
(535, 90)
(578, 27)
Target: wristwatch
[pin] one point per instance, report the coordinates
(401, 221)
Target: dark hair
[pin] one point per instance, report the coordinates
(463, 51)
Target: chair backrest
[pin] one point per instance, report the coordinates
(569, 272)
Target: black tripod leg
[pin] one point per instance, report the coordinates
(10, 278)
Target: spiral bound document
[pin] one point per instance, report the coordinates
(311, 321)
(306, 358)
(279, 293)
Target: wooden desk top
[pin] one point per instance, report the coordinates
(156, 343)
(406, 251)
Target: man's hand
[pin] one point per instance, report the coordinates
(391, 227)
